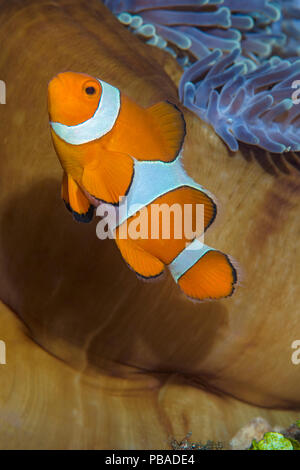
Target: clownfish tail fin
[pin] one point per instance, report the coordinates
(212, 276)
(170, 124)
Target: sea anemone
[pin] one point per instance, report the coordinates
(239, 62)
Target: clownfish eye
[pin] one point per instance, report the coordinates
(90, 90)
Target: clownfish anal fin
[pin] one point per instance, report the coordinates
(75, 200)
(170, 125)
(142, 263)
(108, 177)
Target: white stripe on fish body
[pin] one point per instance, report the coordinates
(151, 180)
(187, 258)
(98, 125)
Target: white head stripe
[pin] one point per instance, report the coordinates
(100, 124)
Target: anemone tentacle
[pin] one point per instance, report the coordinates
(239, 62)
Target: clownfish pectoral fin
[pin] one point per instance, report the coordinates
(212, 277)
(108, 177)
(170, 124)
(75, 200)
(142, 263)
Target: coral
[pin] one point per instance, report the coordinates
(293, 432)
(231, 78)
(259, 434)
(275, 441)
(254, 430)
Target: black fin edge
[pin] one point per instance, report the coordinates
(85, 218)
(184, 126)
(68, 206)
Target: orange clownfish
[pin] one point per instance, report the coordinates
(113, 150)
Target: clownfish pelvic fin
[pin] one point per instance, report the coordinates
(75, 200)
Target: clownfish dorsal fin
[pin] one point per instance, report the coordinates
(108, 176)
(75, 200)
(170, 124)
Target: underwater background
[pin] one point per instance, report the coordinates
(95, 358)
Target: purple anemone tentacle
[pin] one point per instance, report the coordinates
(240, 62)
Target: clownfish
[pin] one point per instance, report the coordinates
(111, 150)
